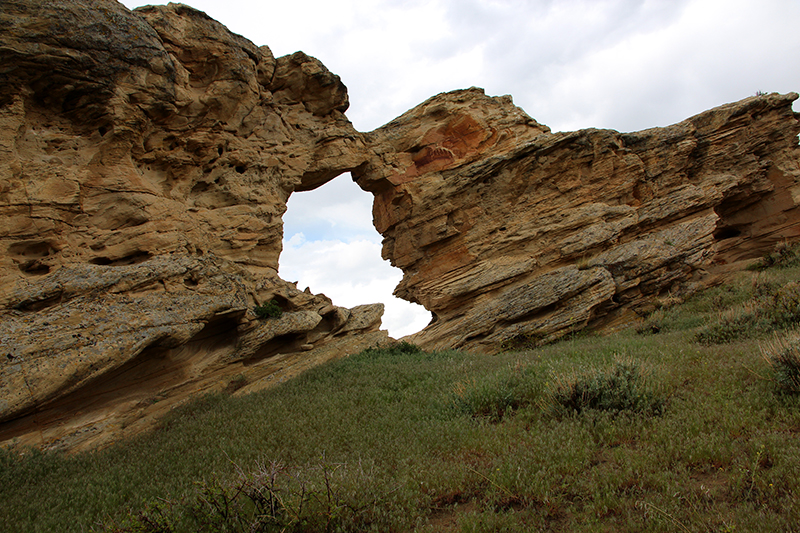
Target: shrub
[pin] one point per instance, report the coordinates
(276, 497)
(236, 383)
(498, 395)
(784, 306)
(156, 517)
(398, 349)
(523, 341)
(270, 309)
(654, 323)
(624, 388)
(741, 322)
(783, 358)
(783, 256)
(406, 348)
(762, 286)
(773, 307)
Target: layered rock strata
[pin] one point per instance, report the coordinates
(146, 159)
(512, 235)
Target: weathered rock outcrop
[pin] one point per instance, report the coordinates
(146, 159)
(145, 162)
(510, 234)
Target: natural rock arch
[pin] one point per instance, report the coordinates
(147, 158)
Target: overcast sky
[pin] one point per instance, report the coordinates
(570, 64)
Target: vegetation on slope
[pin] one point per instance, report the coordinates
(688, 429)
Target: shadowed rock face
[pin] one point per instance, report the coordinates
(146, 159)
(512, 235)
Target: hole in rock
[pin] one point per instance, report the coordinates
(32, 249)
(29, 255)
(38, 305)
(283, 303)
(331, 246)
(130, 259)
(34, 268)
(200, 187)
(726, 233)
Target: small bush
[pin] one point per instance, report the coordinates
(741, 322)
(406, 347)
(236, 383)
(783, 256)
(156, 517)
(783, 358)
(493, 398)
(671, 314)
(654, 323)
(270, 309)
(658, 320)
(622, 389)
(523, 341)
(763, 287)
(784, 306)
(772, 307)
(276, 497)
(401, 348)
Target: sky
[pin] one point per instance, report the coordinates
(625, 65)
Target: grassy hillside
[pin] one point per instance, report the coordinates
(691, 423)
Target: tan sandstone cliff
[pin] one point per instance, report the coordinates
(512, 235)
(145, 161)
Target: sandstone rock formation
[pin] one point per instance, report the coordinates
(146, 159)
(145, 162)
(512, 235)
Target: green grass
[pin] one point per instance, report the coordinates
(630, 432)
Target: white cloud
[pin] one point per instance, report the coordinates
(338, 209)
(351, 273)
(710, 53)
(331, 246)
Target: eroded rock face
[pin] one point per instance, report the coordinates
(146, 159)
(145, 162)
(512, 235)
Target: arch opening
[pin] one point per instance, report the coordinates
(331, 247)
